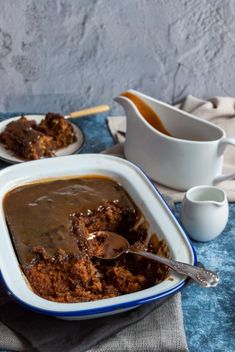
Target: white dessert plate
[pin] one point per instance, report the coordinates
(10, 157)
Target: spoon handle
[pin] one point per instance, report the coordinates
(203, 277)
(89, 111)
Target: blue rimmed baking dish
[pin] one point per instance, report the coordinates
(145, 196)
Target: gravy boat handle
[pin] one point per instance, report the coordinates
(222, 146)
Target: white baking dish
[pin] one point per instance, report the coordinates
(144, 194)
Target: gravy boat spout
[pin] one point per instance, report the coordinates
(128, 106)
(189, 155)
(144, 111)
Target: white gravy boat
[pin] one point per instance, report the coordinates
(193, 157)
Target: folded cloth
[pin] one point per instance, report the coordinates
(148, 328)
(218, 110)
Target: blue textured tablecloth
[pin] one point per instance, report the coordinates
(209, 314)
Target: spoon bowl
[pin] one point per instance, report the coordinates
(107, 245)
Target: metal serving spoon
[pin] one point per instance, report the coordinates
(109, 245)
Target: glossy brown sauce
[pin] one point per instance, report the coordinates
(50, 224)
(39, 214)
(27, 133)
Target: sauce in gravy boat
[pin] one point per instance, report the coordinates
(194, 156)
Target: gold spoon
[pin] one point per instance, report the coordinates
(89, 111)
(109, 245)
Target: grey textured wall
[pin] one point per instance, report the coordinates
(61, 55)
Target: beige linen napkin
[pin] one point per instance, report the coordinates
(157, 332)
(148, 328)
(218, 110)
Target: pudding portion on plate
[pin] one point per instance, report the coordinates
(31, 141)
(24, 140)
(50, 223)
(57, 127)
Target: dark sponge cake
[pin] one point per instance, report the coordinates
(60, 129)
(25, 141)
(77, 278)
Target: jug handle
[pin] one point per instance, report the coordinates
(222, 146)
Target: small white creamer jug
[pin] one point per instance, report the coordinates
(204, 212)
